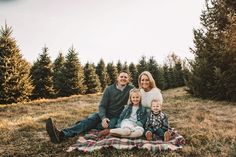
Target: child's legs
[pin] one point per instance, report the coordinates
(160, 132)
(121, 131)
(136, 132)
(125, 128)
(149, 129)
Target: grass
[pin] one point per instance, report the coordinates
(208, 126)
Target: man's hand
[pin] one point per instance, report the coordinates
(105, 123)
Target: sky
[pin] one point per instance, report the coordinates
(113, 30)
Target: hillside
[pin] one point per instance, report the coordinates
(208, 126)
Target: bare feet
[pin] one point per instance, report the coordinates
(148, 135)
(167, 136)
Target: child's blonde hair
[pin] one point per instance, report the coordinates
(157, 101)
(134, 90)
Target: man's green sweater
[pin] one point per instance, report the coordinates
(113, 101)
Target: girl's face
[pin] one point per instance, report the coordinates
(145, 83)
(156, 107)
(135, 99)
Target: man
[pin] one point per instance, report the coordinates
(113, 100)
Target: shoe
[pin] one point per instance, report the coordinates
(78, 122)
(167, 136)
(55, 135)
(104, 132)
(148, 135)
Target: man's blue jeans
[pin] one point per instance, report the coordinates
(92, 122)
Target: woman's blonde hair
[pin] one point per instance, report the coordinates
(134, 90)
(151, 79)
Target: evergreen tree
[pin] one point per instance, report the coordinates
(167, 83)
(154, 69)
(57, 73)
(186, 70)
(119, 66)
(213, 70)
(171, 77)
(42, 76)
(142, 65)
(91, 79)
(102, 74)
(125, 67)
(72, 75)
(179, 73)
(15, 83)
(176, 69)
(133, 74)
(112, 73)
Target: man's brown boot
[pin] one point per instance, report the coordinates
(56, 136)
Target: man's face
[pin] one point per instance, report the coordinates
(123, 79)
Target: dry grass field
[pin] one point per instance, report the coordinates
(208, 126)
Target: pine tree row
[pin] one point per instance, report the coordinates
(65, 76)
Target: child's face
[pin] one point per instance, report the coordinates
(156, 107)
(135, 99)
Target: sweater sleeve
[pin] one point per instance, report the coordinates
(165, 123)
(158, 95)
(103, 104)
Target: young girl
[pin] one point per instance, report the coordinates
(131, 120)
(157, 122)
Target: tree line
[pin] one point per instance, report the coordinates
(65, 76)
(212, 73)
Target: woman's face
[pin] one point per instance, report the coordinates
(145, 82)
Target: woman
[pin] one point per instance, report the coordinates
(148, 89)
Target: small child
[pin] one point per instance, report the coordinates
(157, 122)
(131, 120)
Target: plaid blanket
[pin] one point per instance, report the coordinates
(91, 142)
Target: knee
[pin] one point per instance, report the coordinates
(127, 131)
(140, 132)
